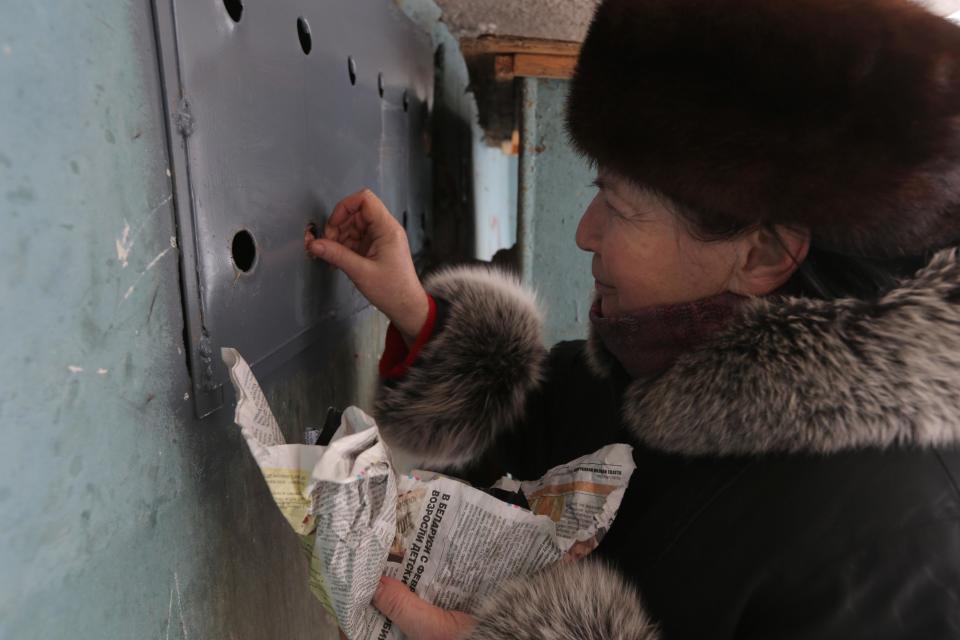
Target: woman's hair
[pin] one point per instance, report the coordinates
(823, 274)
(828, 275)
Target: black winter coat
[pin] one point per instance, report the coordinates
(798, 477)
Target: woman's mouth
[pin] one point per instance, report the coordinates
(601, 287)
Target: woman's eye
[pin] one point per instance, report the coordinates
(614, 211)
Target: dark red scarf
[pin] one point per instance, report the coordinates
(647, 342)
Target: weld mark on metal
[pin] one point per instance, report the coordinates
(183, 119)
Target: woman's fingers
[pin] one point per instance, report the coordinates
(340, 256)
(348, 233)
(416, 618)
(358, 216)
(363, 240)
(346, 207)
(363, 203)
(358, 221)
(371, 215)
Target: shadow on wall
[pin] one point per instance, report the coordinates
(452, 238)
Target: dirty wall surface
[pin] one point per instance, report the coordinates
(121, 515)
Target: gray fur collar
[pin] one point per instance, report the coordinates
(797, 375)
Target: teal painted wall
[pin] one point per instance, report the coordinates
(554, 192)
(121, 516)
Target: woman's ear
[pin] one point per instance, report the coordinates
(768, 258)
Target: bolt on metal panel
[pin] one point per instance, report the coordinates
(277, 109)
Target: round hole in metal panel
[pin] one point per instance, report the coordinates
(352, 69)
(406, 101)
(303, 32)
(243, 250)
(234, 9)
(380, 84)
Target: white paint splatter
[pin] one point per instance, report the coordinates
(169, 614)
(183, 623)
(124, 244)
(149, 266)
(173, 241)
(75, 369)
(154, 262)
(103, 372)
(168, 172)
(160, 204)
(127, 239)
(186, 396)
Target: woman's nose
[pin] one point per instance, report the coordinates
(588, 231)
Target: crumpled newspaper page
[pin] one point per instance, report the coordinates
(450, 543)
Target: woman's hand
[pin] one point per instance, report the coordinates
(417, 619)
(364, 241)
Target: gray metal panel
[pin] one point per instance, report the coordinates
(266, 138)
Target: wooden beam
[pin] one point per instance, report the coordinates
(507, 44)
(544, 66)
(503, 67)
(523, 57)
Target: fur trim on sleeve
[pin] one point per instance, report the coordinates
(583, 600)
(472, 379)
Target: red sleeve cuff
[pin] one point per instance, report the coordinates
(396, 358)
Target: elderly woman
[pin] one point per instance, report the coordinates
(776, 330)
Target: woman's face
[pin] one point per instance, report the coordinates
(643, 255)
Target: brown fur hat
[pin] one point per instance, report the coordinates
(842, 115)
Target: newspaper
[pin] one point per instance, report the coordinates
(450, 543)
